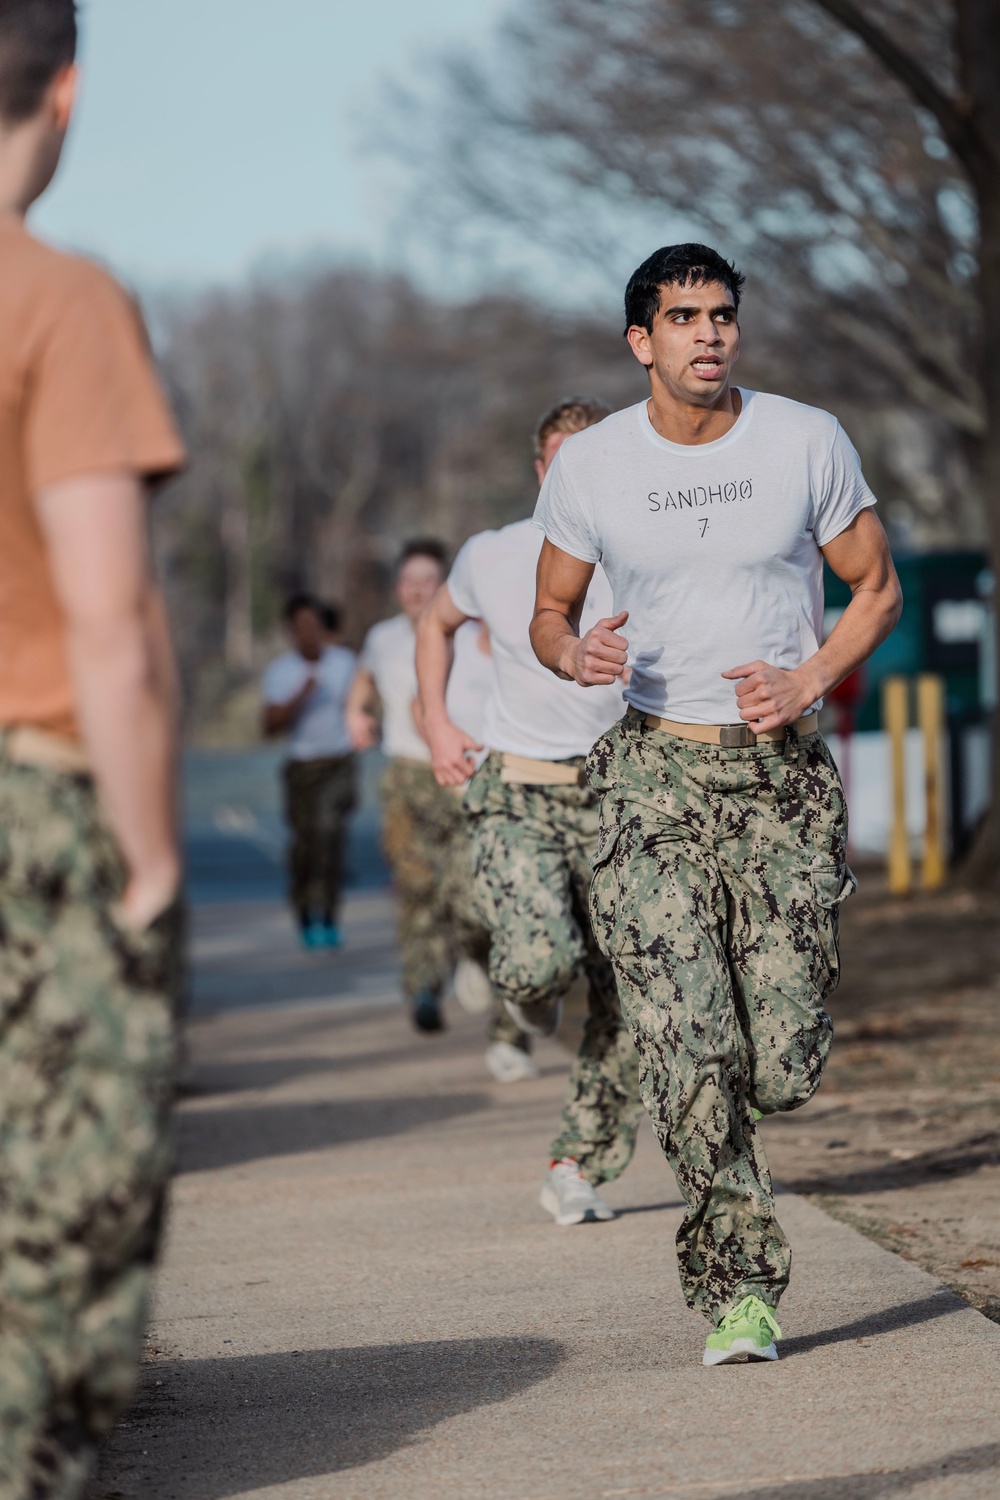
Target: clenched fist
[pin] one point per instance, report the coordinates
(601, 656)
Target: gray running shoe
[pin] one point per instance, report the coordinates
(509, 1064)
(569, 1197)
(471, 986)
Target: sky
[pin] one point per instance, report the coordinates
(214, 136)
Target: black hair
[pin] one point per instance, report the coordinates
(332, 618)
(424, 546)
(37, 38)
(303, 601)
(676, 265)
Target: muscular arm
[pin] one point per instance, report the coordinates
(768, 697)
(123, 672)
(451, 748)
(361, 723)
(561, 586)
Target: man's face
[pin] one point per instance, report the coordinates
(550, 448)
(694, 344)
(417, 581)
(306, 630)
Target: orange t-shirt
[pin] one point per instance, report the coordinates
(78, 395)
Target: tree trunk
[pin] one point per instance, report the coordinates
(982, 866)
(970, 122)
(977, 44)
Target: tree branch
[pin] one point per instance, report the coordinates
(954, 123)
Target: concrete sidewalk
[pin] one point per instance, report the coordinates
(361, 1298)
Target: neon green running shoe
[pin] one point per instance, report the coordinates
(748, 1331)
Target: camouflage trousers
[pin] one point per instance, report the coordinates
(426, 842)
(533, 847)
(87, 1064)
(319, 796)
(716, 895)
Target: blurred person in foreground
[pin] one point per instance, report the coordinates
(722, 866)
(89, 864)
(422, 824)
(305, 696)
(534, 829)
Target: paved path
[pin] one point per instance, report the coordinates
(360, 1297)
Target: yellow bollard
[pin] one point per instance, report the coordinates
(930, 717)
(895, 717)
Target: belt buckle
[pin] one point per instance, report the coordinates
(736, 737)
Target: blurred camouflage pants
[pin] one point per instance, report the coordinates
(87, 1063)
(716, 895)
(319, 796)
(533, 850)
(425, 839)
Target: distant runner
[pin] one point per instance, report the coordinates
(535, 832)
(723, 823)
(420, 821)
(305, 696)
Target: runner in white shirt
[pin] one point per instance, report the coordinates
(535, 831)
(305, 694)
(423, 827)
(722, 864)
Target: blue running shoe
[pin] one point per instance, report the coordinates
(427, 1011)
(314, 936)
(332, 936)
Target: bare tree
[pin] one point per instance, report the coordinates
(759, 123)
(964, 100)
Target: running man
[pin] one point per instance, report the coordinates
(723, 822)
(420, 821)
(535, 832)
(305, 696)
(89, 863)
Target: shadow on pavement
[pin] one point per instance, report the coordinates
(647, 1208)
(907, 1315)
(220, 1427)
(210, 1079)
(211, 1138)
(951, 1161)
(874, 1486)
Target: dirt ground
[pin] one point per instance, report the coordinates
(903, 1139)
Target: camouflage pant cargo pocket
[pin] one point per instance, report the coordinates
(831, 886)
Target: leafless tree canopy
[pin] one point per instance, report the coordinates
(763, 125)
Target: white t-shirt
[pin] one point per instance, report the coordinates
(470, 682)
(389, 654)
(530, 711)
(321, 728)
(714, 549)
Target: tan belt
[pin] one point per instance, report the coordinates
(27, 746)
(521, 770)
(727, 736)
